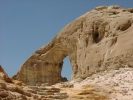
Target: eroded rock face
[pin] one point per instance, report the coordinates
(99, 40)
(12, 90)
(4, 77)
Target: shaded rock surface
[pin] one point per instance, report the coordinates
(99, 40)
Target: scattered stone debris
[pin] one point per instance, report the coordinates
(116, 84)
(49, 92)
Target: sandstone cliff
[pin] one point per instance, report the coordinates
(99, 40)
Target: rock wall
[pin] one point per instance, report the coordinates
(99, 40)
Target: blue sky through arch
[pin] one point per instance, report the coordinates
(67, 68)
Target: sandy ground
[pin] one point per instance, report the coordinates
(107, 85)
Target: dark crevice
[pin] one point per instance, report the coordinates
(86, 40)
(114, 13)
(130, 10)
(46, 63)
(96, 37)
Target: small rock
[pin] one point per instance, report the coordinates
(12, 87)
(4, 94)
(3, 86)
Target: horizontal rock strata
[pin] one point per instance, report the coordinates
(49, 92)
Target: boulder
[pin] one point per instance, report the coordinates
(99, 40)
(12, 87)
(4, 94)
(3, 86)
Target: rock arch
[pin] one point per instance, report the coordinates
(94, 42)
(45, 65)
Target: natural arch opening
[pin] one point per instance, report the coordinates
(67, 69)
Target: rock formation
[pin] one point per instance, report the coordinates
(15, 90)
(4, 76)
(11, 90)
(106, 85)
(99, 40)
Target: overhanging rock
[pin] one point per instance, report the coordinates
(99, 40)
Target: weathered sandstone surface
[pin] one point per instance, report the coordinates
(99, 40)
(15, 90)
(106, 85)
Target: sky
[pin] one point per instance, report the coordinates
(27, 25)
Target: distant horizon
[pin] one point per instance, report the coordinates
(28, 25)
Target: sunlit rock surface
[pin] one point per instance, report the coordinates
(101, 39)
